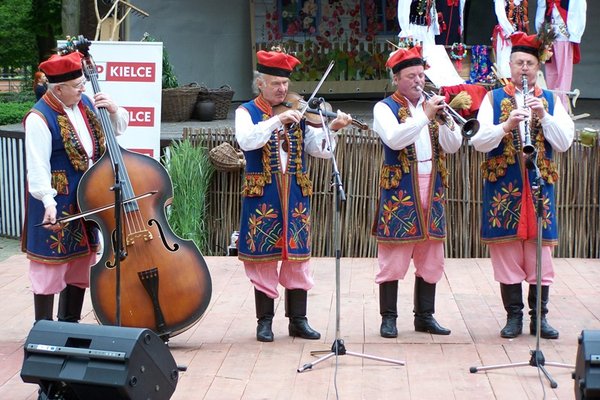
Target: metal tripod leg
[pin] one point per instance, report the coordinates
(339, 349)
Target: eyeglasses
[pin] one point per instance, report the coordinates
(79, 85)
(521, 63)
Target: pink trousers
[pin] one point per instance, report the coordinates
(559, 71)
(292, 275)
(428, 256)
(515, 262)
(51, 279)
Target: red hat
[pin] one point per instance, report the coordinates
(525, 43)
(275, 63)
(62, 68)
(403, 58)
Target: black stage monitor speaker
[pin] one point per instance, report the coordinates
(92, 362)
(587, 366)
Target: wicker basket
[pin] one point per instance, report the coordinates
(178, 103)
(225, 158)
(221, 97)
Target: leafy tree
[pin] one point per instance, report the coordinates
(18, 40)
(28, 31)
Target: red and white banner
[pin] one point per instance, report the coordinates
(131, 73)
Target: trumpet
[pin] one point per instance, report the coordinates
(468, 127)
(528, 148)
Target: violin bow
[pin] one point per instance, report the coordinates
(314, 93)
(96, 210)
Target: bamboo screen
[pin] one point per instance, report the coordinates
(359, 155)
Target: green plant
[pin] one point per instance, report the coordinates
(191, 172)
(13, 113)
(169, 79)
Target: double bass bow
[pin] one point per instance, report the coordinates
(163, 282)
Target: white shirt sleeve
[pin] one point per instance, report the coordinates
(404, 17)
(489, 135)
(500, 9)
(38, 148)
(252, 136)
(559, 129)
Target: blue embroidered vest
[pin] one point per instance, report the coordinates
(275, 222)
(68, 162)
(504, 177)
(400, 216)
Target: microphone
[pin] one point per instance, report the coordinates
(315, 102)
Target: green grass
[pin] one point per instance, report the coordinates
(191, 172)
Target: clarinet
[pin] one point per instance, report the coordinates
(528, 148)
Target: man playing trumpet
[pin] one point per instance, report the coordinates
(509, 120)
(410, 221)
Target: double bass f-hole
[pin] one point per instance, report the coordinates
(164, 282)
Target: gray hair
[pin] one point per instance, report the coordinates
(258, 76)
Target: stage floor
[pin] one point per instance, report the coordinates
(224, 360)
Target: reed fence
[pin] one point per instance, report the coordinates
(359, 155)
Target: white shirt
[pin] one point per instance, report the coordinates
(415, 130)
(252, 136)
(38, 148)
(574, 25)
(559, 128)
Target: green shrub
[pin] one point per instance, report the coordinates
(191, 172)
(13, 113)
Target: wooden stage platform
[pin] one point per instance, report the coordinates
(224, 361)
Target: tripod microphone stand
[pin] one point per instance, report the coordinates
(338, 348)
(537, 357)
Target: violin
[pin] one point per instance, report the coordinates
(152, 253)
(293, 101)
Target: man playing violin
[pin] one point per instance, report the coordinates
(509, 118)
(63, 138)
(410, 220)
(275, 222)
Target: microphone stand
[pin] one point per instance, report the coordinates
(338, 348)
(537, 357)
(120, 252)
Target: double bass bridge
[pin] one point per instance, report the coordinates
(144, 235)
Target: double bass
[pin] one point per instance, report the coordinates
(162, 281)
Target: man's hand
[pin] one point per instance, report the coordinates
(49, 220)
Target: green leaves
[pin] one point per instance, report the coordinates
(191, 172)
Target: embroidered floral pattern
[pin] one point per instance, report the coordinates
(506, 207)
(264, 228)
(398, 216)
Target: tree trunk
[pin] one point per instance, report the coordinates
(70, 17)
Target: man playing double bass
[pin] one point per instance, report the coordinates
(63, 138)
(276, 223)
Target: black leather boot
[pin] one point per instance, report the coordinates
(295, 310)
(265, 310)
(388, 299)
(512, 298)
(43, 304)
(424, 302)
(70, 303)
(546, 331)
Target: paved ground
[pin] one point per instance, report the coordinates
(224, 361)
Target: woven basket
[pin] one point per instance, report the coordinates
(221, 97)
(225, 158)
(178, 103)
